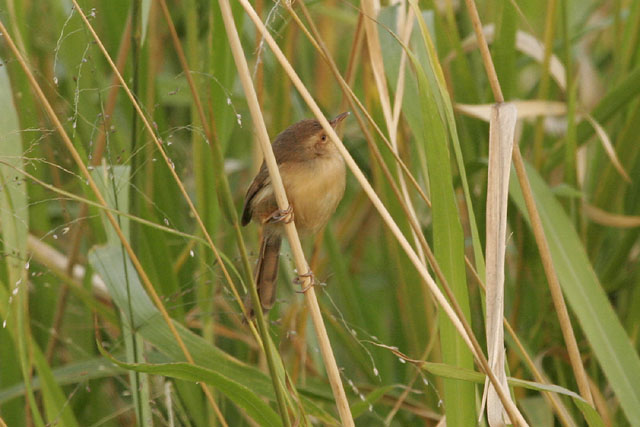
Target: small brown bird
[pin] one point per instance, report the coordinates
(313, 174)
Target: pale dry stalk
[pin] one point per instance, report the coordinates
(501, 134)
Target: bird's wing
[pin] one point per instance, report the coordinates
(282, 153)
(259, 182)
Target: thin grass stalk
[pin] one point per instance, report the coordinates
(22, 336)
(405, 393)
(536, 222)
(543, 90)
(135, 89)
(133, 341)
(402, 197)
(554, 284)
(354, 53)
(14, 308)
(290, 229)
(262, 335)
(351, 99)
(85, 172)
(205, 292)
(462, 327)
(571, 146)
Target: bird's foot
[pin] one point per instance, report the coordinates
(300, 279)
(280, 215)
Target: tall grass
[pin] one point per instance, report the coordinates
(129, 133)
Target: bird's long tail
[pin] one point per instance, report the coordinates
(267, 270)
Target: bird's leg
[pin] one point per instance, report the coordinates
(281, 215)
(299, 280)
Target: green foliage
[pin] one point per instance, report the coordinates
(64, 265)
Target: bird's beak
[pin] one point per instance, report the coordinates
(335, 122)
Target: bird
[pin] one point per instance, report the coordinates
(314, 177)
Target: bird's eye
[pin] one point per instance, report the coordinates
(324, 137)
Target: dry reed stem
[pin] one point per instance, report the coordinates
(526, 109)
(83, 168)
(536, 222)
(501, 134)
(609, 219)
(281, 198)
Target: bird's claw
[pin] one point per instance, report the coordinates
(281, 215)
(299, 280)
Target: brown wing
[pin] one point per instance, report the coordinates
(286, 147)
(257, 184)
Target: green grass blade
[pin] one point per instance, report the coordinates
(445, 107)
(113, 182)
(459, 397)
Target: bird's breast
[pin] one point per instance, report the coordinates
(314, 189)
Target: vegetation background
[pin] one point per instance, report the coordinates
(84, 341)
